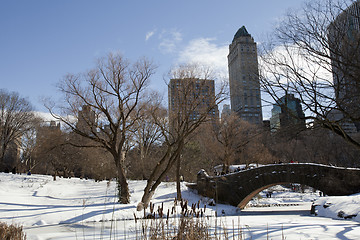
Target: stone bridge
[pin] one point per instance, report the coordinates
(239, 188)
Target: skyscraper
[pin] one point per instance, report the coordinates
(287, 113)
(191, 98)
(244, 77)
(344, 46)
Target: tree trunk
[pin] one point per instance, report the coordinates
(123, 188)
(142, 157)
(145, 200)
(178, 187)
(54, 176)
(157, 175)
(225, 168)
(2, 157)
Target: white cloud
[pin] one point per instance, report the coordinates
(312, 69)
(293, 68)
(204, 51)
(46, 116)
(169, 40)
(149, 35)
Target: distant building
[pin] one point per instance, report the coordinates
(244, 77)
(48, 126)
(344, 38)
(226, 111)
(54, 126)
(287, 112)
(337, 117)
(190, 98)
(47, 131)
(86, 120)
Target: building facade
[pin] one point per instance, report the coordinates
(86, 120)
(191, 98)
(244, 81)
(336, 116)
(287, 113)
(226, 111)
(344, 45)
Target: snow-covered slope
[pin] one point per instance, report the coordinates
(38, 200)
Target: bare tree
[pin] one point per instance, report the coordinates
(231, 135)
(110, 97)
(190, 110)
(16, 118)
(52, 156)
(236, 141)
(43, 148)
(146, 134)
(314, 54)
(28, 144)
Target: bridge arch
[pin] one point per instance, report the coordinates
(238, 188)
(248, 198)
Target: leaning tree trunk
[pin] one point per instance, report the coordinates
(155, 178)
(154, 181)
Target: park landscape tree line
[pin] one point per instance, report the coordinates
(129, 134)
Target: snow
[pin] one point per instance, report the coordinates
(339, 207)
(84, 209)
(236, 168)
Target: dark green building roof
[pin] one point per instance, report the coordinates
(242, 32)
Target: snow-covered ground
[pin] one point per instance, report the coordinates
(85, 209)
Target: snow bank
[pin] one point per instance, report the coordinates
(344, 207)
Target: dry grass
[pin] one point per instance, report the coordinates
(11, 232)
(186, 229)
(189, 224)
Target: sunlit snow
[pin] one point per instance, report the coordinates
(84, 209)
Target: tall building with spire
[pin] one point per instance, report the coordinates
(244, 77)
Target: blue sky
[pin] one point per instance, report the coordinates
(43, 40)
